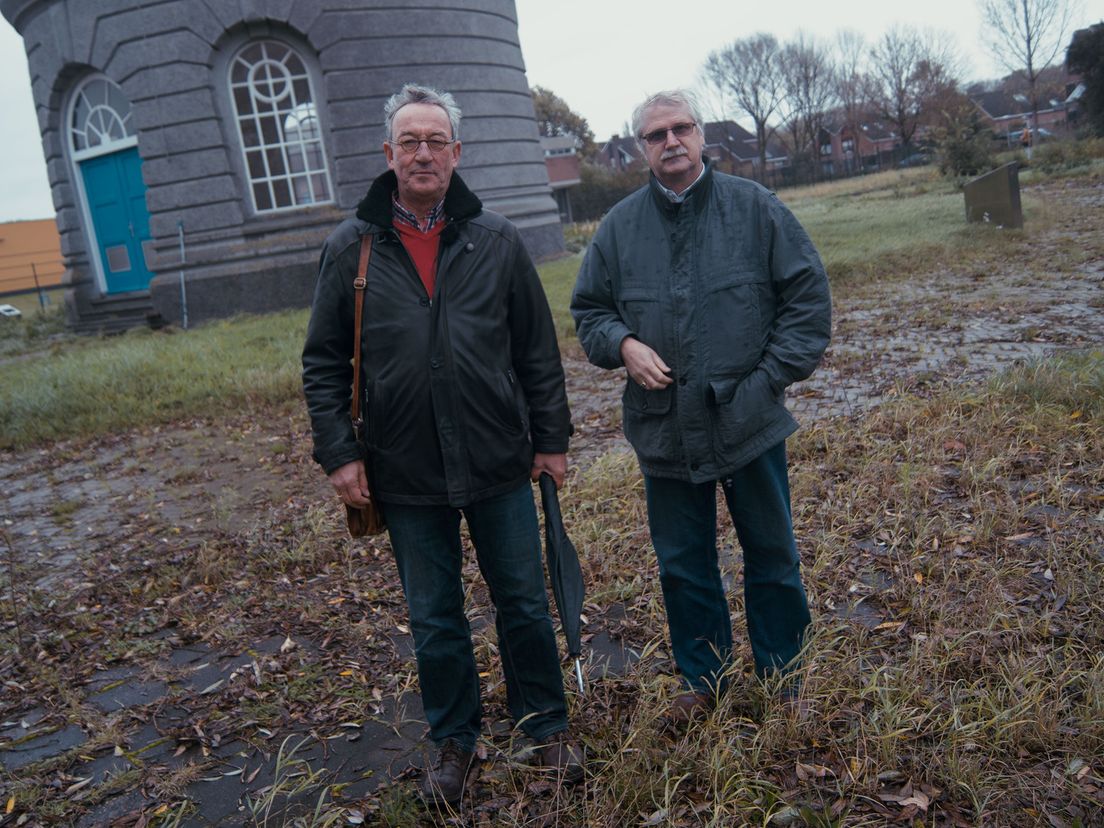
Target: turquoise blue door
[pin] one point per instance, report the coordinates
(117, 201)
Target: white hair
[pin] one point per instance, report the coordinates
(412, 93)
(669, 97)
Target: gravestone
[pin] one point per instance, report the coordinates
(995, 197)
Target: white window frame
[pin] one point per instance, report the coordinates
(290, 172)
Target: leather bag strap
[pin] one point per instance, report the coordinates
(359, 284)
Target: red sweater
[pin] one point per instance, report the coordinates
(423, 248)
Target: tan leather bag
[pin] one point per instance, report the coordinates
(362, 520)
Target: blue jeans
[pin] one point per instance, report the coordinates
(504, 531)
(683, 521)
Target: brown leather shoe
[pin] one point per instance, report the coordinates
(691, 705)
(445, 783)
(562, 756)
(792, 703)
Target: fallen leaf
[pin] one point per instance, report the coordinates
(919, 799)
(11, 805)
(76, 786)
(807, 772)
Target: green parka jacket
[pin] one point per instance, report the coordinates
(728, 289)
(460, 388)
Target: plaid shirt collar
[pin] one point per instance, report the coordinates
(435, 216)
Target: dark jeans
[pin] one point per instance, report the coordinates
(683, 521)
(426, 542)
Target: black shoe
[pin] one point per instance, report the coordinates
(444, 784)
(562, 756)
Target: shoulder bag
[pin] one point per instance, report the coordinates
(362, 520)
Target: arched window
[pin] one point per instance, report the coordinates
(278, 125)
(101, 119)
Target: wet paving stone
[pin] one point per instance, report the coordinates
(862, 613)
(127, 694)
(14, 730)
(952, 328)
(102, 768)
(188, 656)
(114, 809)
(46, 746)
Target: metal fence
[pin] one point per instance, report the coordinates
(36, 276)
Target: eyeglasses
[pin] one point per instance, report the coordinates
(658, 136)
(410, 145)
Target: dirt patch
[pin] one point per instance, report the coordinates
(120, 543)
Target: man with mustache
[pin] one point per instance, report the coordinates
(709, 293)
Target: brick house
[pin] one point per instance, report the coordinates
(733, 148)
(561, 159)
(736, 151)
(844, 150)
(1007, 113)
(619, 153)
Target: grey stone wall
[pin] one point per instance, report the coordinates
(171, 59)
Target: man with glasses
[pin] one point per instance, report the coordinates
(705, 288)
(465, 405)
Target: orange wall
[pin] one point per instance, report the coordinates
(23, 243)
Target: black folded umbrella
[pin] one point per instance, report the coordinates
(564, 572)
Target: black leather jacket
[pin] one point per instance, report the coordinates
(460, 388)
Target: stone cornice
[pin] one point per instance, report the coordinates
(18, 12)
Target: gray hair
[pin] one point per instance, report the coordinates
(412, 93)
(669, 97)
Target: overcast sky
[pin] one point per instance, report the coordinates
(601, 57)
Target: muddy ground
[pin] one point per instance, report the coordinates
(76, 515)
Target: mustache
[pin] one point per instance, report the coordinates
(673, 153)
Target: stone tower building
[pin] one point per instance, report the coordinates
(199, 151)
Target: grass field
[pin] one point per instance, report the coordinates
(951, 542)
(885, 226)
(29, 303)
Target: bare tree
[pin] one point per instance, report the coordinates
(906, 68)
(1026, 36)
(808, 78)
(851, 52)
(748, 71)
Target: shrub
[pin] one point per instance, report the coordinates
(577, 235)
(965, 155)
(600, 188)
(1054, 156)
